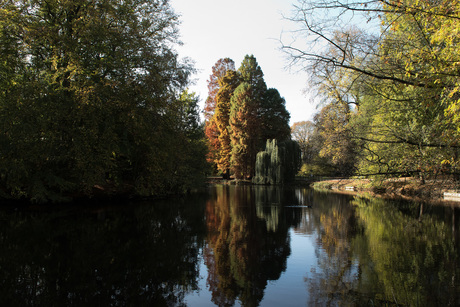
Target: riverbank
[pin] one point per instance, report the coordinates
(406, 188)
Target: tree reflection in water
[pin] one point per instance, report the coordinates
(143, 254)
(361, 251)
(247, 243)
(376, 252)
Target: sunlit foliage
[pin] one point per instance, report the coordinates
(212, 133)
(228, 84)
(395, 65)
(245, 115)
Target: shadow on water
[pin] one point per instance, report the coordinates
(143, 254)
(367, 252)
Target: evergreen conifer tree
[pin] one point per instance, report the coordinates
(228, 84)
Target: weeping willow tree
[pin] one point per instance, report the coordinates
(279, 162)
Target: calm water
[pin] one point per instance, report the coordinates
(236, 246)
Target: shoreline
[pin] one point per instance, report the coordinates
(408, 188)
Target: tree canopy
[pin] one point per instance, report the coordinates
(228, 83)
(245, 115)
(90, 99)
(392, 64)
(212, 131)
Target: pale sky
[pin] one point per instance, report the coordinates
(214, 29)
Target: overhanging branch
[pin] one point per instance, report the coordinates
(406, 141)
(312, 57)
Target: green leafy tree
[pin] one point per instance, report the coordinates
(190, 162)
(338, 146)
(252, 74)
(278, 163)
(89, 99)
(245, 120)
(244, 131)
(399, 73)
(274, 117)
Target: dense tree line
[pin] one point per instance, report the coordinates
(92, 98)
(241, 114)
(388, 73)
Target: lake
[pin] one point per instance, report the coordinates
(232, 246)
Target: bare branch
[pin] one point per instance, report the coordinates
(401, 140)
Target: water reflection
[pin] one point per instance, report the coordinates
(246, 240)
(247, 243)
(144, 254)
(415, 254)
(376, 252)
